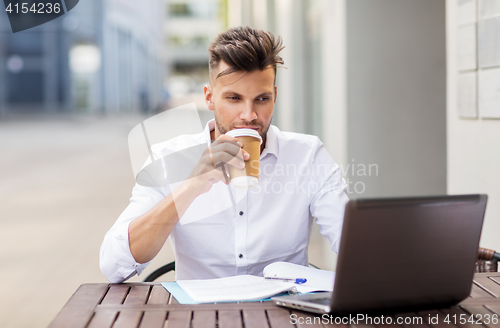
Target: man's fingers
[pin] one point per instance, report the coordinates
(225, 146)
(243, 154)
(223, 157)
(237, 161)
(224, 137)
(231, 148)
(227, 150)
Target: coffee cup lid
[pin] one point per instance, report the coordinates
(244, 133)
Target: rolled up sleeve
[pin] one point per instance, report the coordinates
(116, 260)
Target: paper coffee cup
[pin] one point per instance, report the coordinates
(249, 176)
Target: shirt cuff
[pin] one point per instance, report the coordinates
(124, 263)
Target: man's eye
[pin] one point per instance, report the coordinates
(232, 98)
(263, 99)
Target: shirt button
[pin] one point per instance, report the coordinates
(240, 256)
(241, 212)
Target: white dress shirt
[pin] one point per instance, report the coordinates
(226, 231)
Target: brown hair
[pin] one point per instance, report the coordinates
(244, 49)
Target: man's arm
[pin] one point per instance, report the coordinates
(148, 233)
(133, 242)
(328, 204)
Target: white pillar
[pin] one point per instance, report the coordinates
(284, 28)
(260, 15)
(235, 13)
(333, 60)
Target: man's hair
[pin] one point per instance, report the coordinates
(244, 49)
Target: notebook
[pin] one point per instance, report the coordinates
(275, 280)
(402, 254)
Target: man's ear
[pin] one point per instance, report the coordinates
(207, 90)
(275, 93)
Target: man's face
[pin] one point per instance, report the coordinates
(242, 100)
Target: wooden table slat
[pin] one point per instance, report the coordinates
(255, 319)
(128, 319)
(103, 319)
(80, 307)
(279, 318)
(137, 295)
(495, 309)
(490, 274)
(306, 320)
(331, 324)
(172, 300)
(153, 319)
(479, 309)
(178, 319)
(116, 294)
(478, 292)
(489, 285)
(495, 277)
(159, 295)
(151, 306)
(430, 316)
(197, 307)
(203, 319)
(230, 319)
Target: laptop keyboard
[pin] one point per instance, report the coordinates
(324, 301)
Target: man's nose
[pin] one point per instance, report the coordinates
(248, 113)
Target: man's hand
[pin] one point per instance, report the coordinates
(225, 150)
(148, 233)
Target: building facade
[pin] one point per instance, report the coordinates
(190, 28)
(102, 56)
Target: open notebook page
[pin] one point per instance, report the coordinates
(237, 288)
(317, 280)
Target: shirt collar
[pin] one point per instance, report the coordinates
(209, 128)
(271, 139)
(271, 143)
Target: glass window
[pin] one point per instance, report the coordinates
(195, 10)
(25, 88)
(179, 10)
(28, 43)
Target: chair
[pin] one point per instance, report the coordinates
(487, 260)
(171, 267)
(160, 272)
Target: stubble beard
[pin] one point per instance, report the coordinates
(224, 130)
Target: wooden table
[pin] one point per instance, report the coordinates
(150, 305)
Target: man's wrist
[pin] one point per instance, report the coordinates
(190, 189)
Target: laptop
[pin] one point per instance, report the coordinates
(402, 254)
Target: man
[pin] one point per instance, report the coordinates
(298, 181)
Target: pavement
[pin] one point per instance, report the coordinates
(64, 180)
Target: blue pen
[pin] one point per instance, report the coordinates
(298, 281)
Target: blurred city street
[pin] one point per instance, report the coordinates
(65, 180)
